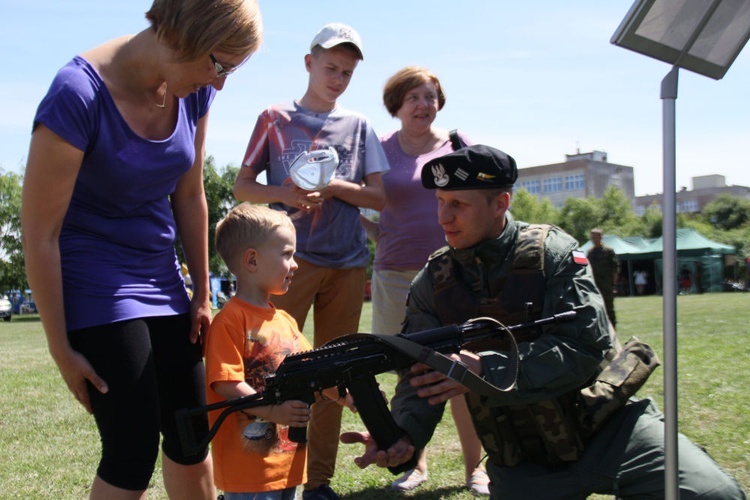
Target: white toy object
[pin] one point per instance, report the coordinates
(313, 170)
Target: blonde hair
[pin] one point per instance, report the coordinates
(194, 28)
(405, 80)
(246, 226)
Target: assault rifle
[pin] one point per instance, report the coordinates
(352, 362)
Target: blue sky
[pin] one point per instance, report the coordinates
(538, 79)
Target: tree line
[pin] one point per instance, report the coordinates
(726, 219)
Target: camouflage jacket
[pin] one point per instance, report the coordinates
(562, 359)
(604, 265)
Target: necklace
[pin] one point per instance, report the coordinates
(131, 53)
(163, 101)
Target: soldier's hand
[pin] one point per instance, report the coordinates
(436, 386)
(401, 451)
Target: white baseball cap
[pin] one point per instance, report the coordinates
(333, 34)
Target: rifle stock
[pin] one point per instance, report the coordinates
(351, 362)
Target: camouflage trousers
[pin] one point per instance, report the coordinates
(625, 459)
(609, 304)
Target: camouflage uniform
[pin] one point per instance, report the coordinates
(604, 265)
(625, 457)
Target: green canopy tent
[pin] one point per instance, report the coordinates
(630, 254)
(703, 258)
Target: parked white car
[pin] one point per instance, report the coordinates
(6, 308)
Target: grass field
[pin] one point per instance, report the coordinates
(50, 448)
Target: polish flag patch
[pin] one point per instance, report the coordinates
(580, 258)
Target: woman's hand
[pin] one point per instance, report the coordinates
(76, 370)
(200, 320)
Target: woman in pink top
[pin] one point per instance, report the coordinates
(408, 232)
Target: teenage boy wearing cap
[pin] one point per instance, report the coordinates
(514, 272)
(332, 249)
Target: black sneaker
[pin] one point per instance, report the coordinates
(323, 492)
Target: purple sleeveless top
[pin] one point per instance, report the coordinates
(118, 235)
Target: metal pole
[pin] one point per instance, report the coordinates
(669, 284)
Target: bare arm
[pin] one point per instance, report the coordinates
(51, 173)
(368, 195)
(247, 188)
(372, 228)
(191, 215)
(292, 413)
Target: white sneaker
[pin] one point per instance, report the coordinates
(479, 483)
(410, 480)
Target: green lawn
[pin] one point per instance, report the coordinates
(50, 447)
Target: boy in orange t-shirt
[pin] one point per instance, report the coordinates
(248, 340)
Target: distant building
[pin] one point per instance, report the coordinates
(582, 175)
(705, 189)
(590, 174)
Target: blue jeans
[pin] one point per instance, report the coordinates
(286, 494)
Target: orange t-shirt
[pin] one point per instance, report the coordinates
(248, 343)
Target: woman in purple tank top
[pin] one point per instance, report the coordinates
(408, 232)
(113, 179)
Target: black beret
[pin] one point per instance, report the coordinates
(472, 167)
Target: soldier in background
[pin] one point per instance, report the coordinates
(537, 442)
(605, 267)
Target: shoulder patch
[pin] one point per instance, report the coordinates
(580, 258)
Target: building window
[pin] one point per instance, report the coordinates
(552, 184)
(687, 206)
(574, 182)
(531, 186)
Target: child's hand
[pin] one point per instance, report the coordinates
(347, 402)
(292, 413)
(332, 394)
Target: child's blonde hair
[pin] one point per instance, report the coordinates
(246, 226)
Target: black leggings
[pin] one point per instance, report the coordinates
(152, 370)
